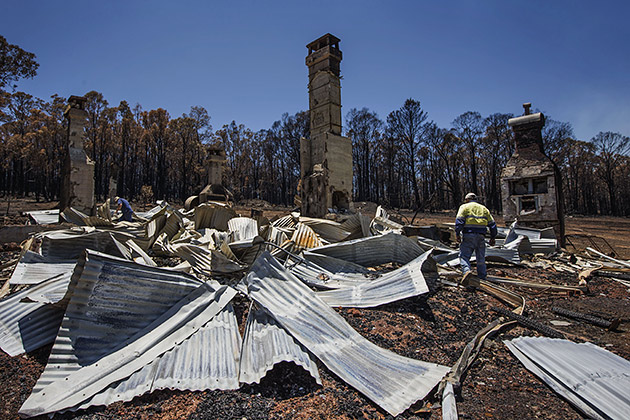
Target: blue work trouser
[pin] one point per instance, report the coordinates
(473, 242)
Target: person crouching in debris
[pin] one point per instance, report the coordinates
(473, 220)
(127, 211)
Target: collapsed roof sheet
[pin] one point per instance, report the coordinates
(206, 261)
(358, 224)
(501, 255)
(328, 230)
(34, 268)
(44, 217)
(304, 237)
(265, 344)
(375, 250)
(120, 317)
(213, 216)
(69, 244)
(242, 228)
(73, 215)
(392, 381)
(327, 272)
(590, 377)
(335, 265)
(208, 359)
(31, 324)
(402, 283)
(288, 221)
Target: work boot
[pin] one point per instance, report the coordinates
(465, 281)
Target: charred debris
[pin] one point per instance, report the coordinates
(131, 308)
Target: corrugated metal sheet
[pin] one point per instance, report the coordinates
(392, 381)
(335, 265)
(276, 236)
(149, 214)
(152, 230)
(382, 225)
(402, 283)
(208, 359)
(206, 261)
(174, 222)
(136, 249)
(213, 216)
(242, 229)
(358, 225)
(120, 317)
(288, 221)
(265, 344)
(327, 230)
(34, 268)
(305, 238)
(439, 247)
(501, 255)
(593, 379)
(531, 233)
(528, 245)
(327, 272)
(375, 250)
(44, 217)
(73, 215)
(314, 275)
(70, 244)
(27, 326)
(544, 245)
(283, 251)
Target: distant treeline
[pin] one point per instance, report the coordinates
(406, 161)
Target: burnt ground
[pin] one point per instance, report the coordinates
(433, 327)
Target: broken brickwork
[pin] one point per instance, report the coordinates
(325, 158)
(531, 186)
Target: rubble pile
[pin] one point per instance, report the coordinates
(242, 297)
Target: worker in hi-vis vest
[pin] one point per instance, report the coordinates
(472, 222)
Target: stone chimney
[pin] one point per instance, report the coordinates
(77, 189)
(325, 158)
(216, 163)
(531, 186)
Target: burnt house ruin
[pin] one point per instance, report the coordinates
(531, 186)
(325, 158)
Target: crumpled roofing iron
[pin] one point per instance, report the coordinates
(120, 317)
(73, 215)
(27, 326)
(375, 250)
(34, 268)
(213, 216)
(44, 217)
(206, 261)
(305, 238)
(208, 359)
(69, 244)
(502, 255)
(242, 229)
(327, 230)
(265, 344)
(288, 221)
(402, 283)
(321, 278)
(392, 381)
(593, 379)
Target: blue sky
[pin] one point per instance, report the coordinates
(244, 60)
